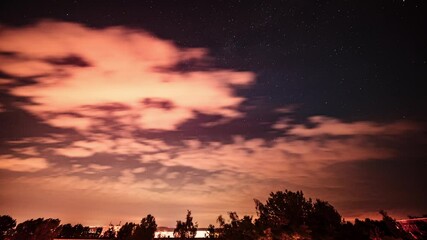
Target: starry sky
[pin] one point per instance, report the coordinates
(112, 110)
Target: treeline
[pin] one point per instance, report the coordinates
(285, 215)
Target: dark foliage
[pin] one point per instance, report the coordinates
(146, 229)
(237, 228)
(323, 220)
(186, 229)
(211, 232)
(110, 233)
(126, 231)
(7, 223)
(36, 229)
(285, 215)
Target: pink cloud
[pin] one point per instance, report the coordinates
(4, 81)
(69, 121)
(290, 155)
(31, 151)
(124, 67)
(240, 170)
(126, 81)
(32, 164)
(332, 126)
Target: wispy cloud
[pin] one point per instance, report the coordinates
(12, 163)
(233, 171)
(334, 127)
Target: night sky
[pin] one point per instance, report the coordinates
(112, 110)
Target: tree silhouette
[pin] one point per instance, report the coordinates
(284, 213)
(97, 233)
(7, 223)
(126, 231)
(349, 231)
(211, 231)
(323, 220)
(391, 227)
(236, 228)
(67, 231)
(146, 229)
(110, 233)
(78, 231)
(40, 228)
(186, 229)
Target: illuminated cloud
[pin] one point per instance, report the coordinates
(332, 126)
(50, 139)
(4, 81)
(92, 168)
(303, 151)
(111, 85)
(232, 172)
(31, 151)
(103, 144)
(279, 158)
(80, 72)
(64, 121)
(11, 163)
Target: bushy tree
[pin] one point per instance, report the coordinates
(146, 229)
(67, 231)
(110, 233)
(236, 228)
(126, 231)
(323, 220)
(7, 223)
(284, 213)
(211, 231)
(186, 229)
(78, 231)
(36, 229)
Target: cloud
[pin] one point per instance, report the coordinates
(218, 176)
(102, 143)
(4, 81)
(282, 158)
(127, 177)
(49, 139)
(98, 167)
(74, 152)
(112, 85)
(80, 72)
(32, 151)
(334, 127)
(300, 152)
(286, 109)
(11, 163)
(138, 170)
(92, 168)
(69, 121)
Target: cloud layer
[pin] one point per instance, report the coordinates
(22, 165)
(103, 91)
(83, 74)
